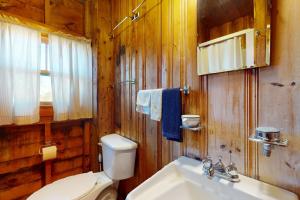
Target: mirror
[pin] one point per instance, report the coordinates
(232, 35)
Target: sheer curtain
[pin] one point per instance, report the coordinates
(71, 78)
(19, 74)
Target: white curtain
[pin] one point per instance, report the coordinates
(19, 74)
(224, 56)
(71, 78)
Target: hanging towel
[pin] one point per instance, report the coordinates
(171, 114)
(156, 104)
(143, 101)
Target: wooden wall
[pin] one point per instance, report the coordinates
(100, 14)
(159, 50)
(66, 15)
(21, 168)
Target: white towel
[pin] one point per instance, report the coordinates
(143, 101)
(156, 104)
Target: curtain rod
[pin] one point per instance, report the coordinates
(135, 16)
(14, 19)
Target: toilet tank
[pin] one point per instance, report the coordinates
(118, 156)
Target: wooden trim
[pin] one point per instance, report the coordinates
(86, 145)
(260, 24)
(46, 113)
(226, 37)
(48, 164)
(47, 11)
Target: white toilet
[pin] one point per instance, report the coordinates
(118, 163)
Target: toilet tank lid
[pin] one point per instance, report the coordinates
(117, 142)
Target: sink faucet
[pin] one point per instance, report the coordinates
(208, 167)
(229, 172)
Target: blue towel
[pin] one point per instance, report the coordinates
(171, 114)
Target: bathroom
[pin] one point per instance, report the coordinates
(132, 46)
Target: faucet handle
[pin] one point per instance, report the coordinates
(208, 166)
(219, 166)
(231, 169)
(207, 162)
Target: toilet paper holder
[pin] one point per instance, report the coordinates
(47, 144)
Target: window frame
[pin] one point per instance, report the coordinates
(44, 40)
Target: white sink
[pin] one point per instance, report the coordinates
(183, 179)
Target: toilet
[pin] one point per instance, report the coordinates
(118, 163)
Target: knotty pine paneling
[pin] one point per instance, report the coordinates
(103, 75)
(226, 121)
(21, 168)
(67, 15)
(20, 163)
(279, 98)
(69, 141)
(32, 9)
(159, 50)
(22, 171)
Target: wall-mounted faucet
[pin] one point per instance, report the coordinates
(219, 170)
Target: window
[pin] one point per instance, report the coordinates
(45, 79)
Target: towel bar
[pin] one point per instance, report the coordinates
(128, 81)
(185, 90)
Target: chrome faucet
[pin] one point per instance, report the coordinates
(219, 170)
(208, 167)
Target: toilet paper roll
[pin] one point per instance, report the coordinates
(49, 153)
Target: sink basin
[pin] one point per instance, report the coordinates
(183, 179)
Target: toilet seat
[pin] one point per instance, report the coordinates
(73, 187)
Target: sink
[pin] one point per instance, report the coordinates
(183, 179)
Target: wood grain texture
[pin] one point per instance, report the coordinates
(218, 12)
(66, 15)
(22, 171)
(21, 165)
(279, 106)
(231, 105)
(105, 71)
(158, 50)
(103, 76)
(152, 51)
(48, 164)
(33, 9)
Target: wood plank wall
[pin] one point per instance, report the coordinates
(159, 50)
(66, 15)
(21, 168)
(100, 12)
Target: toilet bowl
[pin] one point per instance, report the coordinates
(118, 163)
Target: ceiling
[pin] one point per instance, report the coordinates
(216, 12)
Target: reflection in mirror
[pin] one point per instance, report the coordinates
(230, 35)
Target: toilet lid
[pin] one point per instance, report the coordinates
(69, 188)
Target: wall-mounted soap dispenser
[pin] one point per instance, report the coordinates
(269, 137)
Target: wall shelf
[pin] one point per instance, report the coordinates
(192, 128)
(281, 142)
